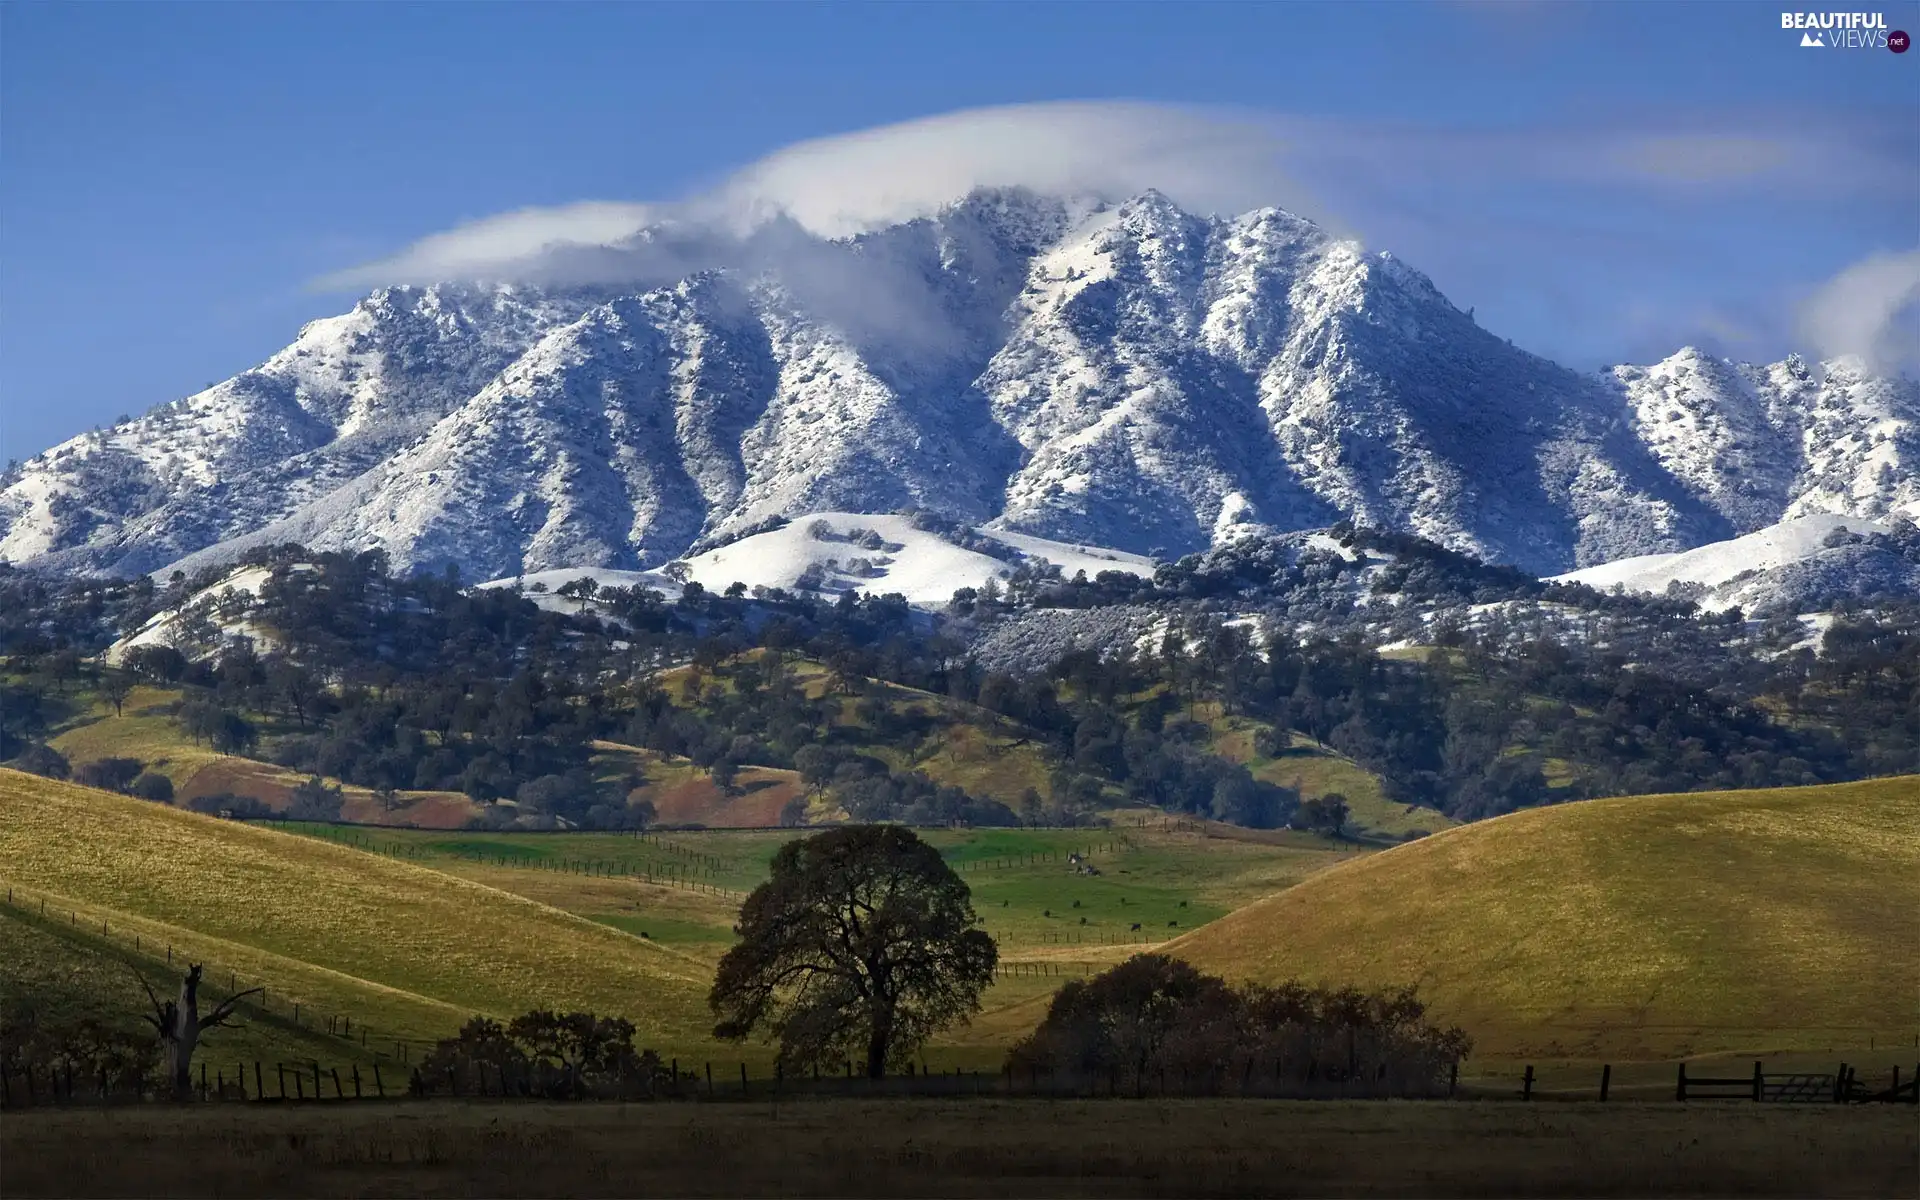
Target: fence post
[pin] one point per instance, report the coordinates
(743, 1079)
(1606, 1077)
(259, 1085)
(339, 1093)
(1453, 1076)
(356, 1081)
(1680, 1087)
(316, 1079)
(203, 1079)
(1757, 1081)
(378, 1084)
(1526, 1084)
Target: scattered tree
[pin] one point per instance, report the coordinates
(863, 940)
(42, 759)
(151, 785)
(109, 774)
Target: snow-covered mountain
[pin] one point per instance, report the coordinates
(1126, 375)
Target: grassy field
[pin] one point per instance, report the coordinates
(1164, 878)
(1649, 928)
(411, 931)
(1652, 927)
(1051, 920)
(409, 952)
(58, 972)
(964, 1148)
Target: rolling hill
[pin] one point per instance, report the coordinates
(407, 951)
(1639, 927)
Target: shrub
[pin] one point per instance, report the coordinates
(230, 806)
(1154, 1015)
(42, 759)
(315, 800)
(153, 786)
(559, 1056)
(111, 774)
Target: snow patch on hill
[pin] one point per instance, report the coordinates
(1719, 562)
(1790, 565)
(833, 552)
(171, 627)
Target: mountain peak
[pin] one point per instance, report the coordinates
(1122, 374)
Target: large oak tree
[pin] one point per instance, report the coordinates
(863, 942)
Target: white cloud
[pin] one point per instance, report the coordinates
(1871, 309)
(1205, 159)
(1578, 218)
(500, 246)
(1210, 160)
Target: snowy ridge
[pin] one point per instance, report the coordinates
(1799, 565)
(1130, 376)
(1761, 443)
(828, 553)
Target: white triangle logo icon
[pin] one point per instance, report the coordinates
(1812, 39)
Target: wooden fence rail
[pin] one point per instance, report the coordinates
(311, 1082)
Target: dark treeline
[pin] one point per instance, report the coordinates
(1153, 1017)
(395, 683)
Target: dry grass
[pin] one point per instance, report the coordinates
(683, 794)
(966, 1148)
(1313, 770)
(1648, 927)
(1051, 922)
(59, 974)
(145, 731)
(417, 950)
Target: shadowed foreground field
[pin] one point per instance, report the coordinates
(1039, 1148)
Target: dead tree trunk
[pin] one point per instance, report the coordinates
(179, 1024)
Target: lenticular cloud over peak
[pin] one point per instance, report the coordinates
(1205, 160)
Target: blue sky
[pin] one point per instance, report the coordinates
(1601, 182)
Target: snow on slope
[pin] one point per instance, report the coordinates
(1134, 376)
(541, 586)
(1719, 562)
(168, 626)
(1073, 558)
(921, 566)
(924, 567)
(1785, 565)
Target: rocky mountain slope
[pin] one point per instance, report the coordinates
(1128, 375)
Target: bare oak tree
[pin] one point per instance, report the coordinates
(179, 1024)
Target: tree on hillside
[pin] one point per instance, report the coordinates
(114, 688)
(108, 774)
(863, 940)
(1326, 814)
(42, 759)
(580, 589)
(180, 1026)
